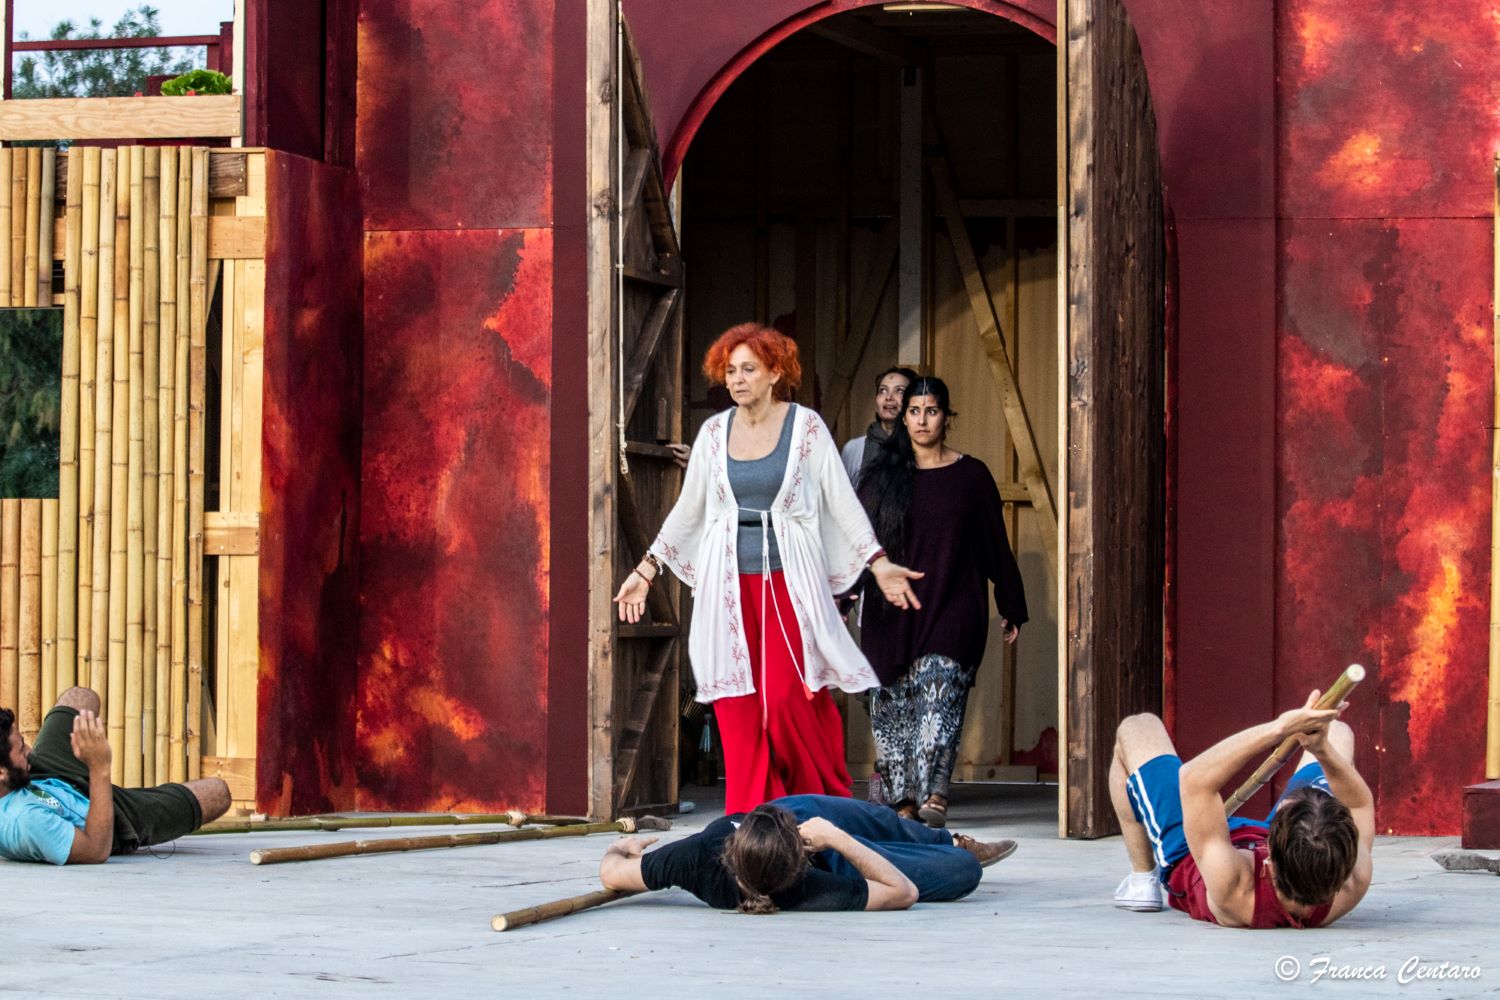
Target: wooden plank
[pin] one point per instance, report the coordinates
(243, 653)
(644, 349)
(234, 238)
(238, 773)
(805, 290)
(206, 116)
(231, 533)
(227, 173)
(637, 541)
(631, 736)
(668, 277)
(872, 291)
(983, 307)
(197, 383)
(603, 467)
(911, 305)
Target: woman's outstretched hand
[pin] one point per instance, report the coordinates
(895, 583)
(632, 597)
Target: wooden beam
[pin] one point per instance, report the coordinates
(205, 116)
(231, 533)
(226, 172)
(231, 237)
(638, 365)
(866, 307)
(911, 303)
(633, 734)
(866, 39)
(638, 541)
(983, 307)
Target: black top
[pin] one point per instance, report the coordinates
(955, 533)
(693, 864)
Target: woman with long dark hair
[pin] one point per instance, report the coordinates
(934, 508)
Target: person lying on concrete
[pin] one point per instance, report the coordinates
(808, 852)
(57, 804)
(1307, 865)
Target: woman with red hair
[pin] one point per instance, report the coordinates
(766, 531)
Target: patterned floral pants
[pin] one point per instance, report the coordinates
(918, 723)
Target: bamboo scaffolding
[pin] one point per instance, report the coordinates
(119, 469)
(151, 444)
(7, 162)
(67, 476)
(135, 467)
(31, 239)
(391, 845)
(197, 378)
(104, 367)
(48, 680)
(179, 696)
(45, 224)
(166, 394)
(18, 226)
(1331, 698)
(304, 823)
(29, 622)
(557, 908)
(10, 595)
(88, 398)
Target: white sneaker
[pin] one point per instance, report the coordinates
(1140, 891)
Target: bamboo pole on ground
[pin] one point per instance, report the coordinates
(48, 667)
(18, 226)
(166, 393)
(88, 398)
(197, 414)
(32, 233)
(29, 622)
(10, 594)
(67, 473)
(7, 170)
(391, 845)
(304, 823)
(557, 908)
(183, 240)
(135, 463)
(45, 227)
(104, 409)
(151, 460)
(1331, 698)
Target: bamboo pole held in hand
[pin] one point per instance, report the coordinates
(557, 908)
(1331, 698)
(349, 848)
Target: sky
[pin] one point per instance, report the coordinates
(36, 18)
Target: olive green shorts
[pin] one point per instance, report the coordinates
(143, 816)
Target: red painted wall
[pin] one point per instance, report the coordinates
(1328, 178)
(469, 147)
(310, 489)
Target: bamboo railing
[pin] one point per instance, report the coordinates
(95, 585)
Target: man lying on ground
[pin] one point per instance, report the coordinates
(57, 804)
(1306, 866)
(808, 852)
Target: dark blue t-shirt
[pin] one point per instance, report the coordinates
(693, 864)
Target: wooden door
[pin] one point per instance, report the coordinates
(636, 673)
(1112, 230)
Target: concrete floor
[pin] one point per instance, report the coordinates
(201, 921)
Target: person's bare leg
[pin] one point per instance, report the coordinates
(81, 698)
(1140, 738)
(212, 795)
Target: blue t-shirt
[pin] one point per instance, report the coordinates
(38, 822)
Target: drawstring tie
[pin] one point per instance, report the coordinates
(765, 585)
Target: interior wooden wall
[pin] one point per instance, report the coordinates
(787, 190)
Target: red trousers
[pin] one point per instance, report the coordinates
(780, 740)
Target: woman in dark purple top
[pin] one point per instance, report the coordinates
(937, 511)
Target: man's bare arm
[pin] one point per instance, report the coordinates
(92, 844)
(888, 886)
(1349, 787)
(620, 868)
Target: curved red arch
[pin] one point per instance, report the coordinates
(687, 129)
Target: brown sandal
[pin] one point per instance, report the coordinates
(934, 812)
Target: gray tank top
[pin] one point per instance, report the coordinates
(755, 485)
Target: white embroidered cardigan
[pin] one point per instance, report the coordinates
(824, 539)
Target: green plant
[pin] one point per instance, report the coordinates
(198, 81)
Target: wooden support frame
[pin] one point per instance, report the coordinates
(206, 116)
